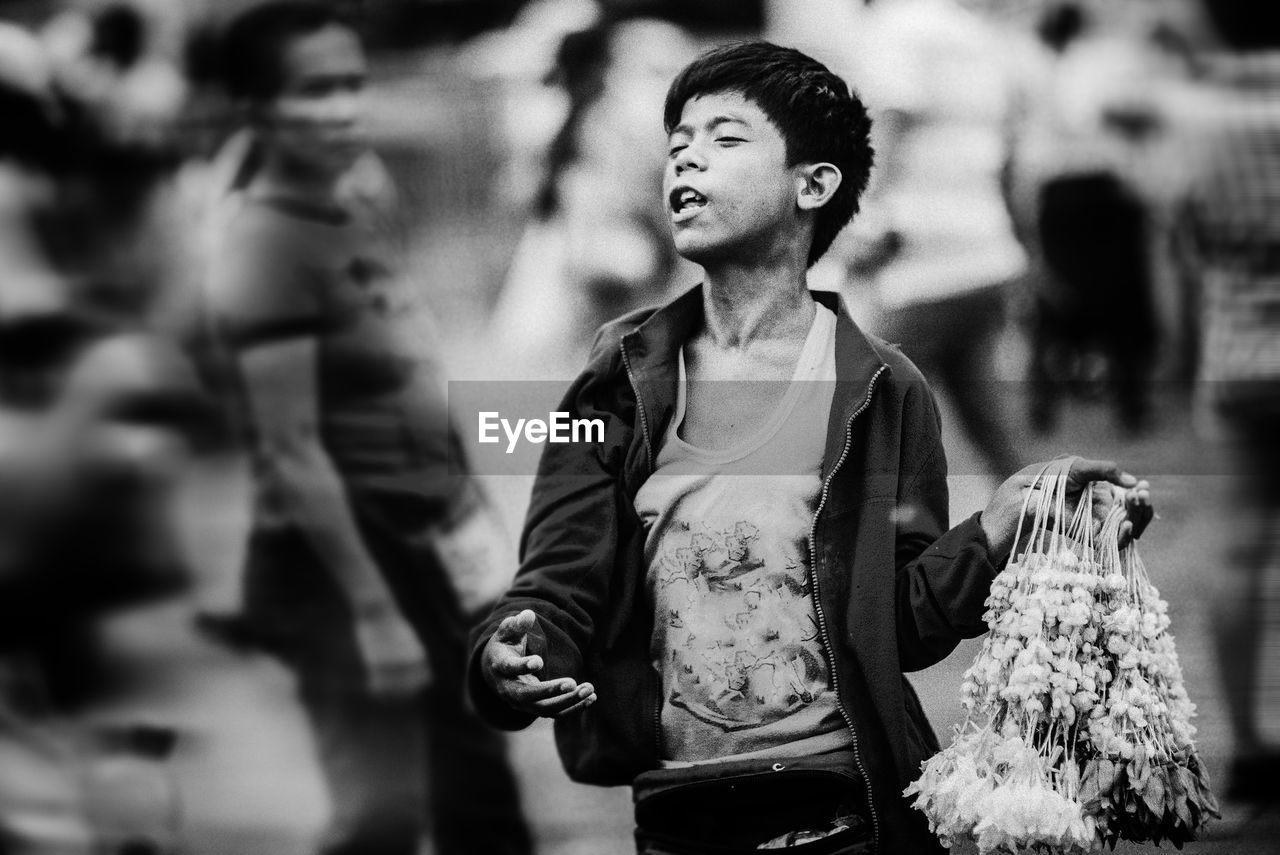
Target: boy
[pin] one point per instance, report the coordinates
(717, 603)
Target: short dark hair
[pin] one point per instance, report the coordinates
(819, 117)
(254, 43)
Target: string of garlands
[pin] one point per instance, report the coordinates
(1079, 731)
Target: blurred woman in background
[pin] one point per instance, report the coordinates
(938, 245)
(598, 244)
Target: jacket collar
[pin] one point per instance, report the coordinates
(652, 350)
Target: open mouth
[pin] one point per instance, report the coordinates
(686, 201)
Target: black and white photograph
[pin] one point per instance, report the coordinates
(639, 427)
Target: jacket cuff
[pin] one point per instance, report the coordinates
(966, 546)
(967, 537)
(972, 530)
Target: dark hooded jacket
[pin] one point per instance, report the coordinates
(894, 589)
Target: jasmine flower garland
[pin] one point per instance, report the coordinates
(1078, 731)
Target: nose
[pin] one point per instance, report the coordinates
(689, 157)
(343, 108)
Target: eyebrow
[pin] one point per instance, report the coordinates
(686, 128)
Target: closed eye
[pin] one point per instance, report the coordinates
(676, 149)
(730, 140)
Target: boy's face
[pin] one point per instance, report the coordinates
(729, 191)
(316, 118)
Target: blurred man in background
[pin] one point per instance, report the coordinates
(366, 549)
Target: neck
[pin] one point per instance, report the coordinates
(288, 176)
(743, 304)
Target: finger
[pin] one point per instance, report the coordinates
(1140, 510)
(528, 694)
(1084, 471)
(1137, 500)
(506, 664)
(582, 704)
(1148, 515)
(1126, 534)
(515, 627)
(1140, 494)
(578, 698)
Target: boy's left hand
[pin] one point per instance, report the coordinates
(1001, 516)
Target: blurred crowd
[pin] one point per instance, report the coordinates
(223, 417)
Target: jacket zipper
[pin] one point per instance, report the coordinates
(822, 618)
(655, 733)
(644, 422)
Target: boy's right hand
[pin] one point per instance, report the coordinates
(511, 673)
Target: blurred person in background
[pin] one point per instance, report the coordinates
(30, 159)
(113, 56)
(100, 422)
(936, 241)
(1094, 316)
(369, 552)
(1232, 239)
(597, 245)
(37, 766)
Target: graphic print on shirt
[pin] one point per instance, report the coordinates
(744, 646)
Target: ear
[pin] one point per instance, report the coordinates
(818, 182)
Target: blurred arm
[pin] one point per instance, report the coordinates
(281, 382)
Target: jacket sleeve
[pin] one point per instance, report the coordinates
(570, 539)
(943, 576)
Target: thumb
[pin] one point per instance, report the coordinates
(513, 629)
(1084, 471)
